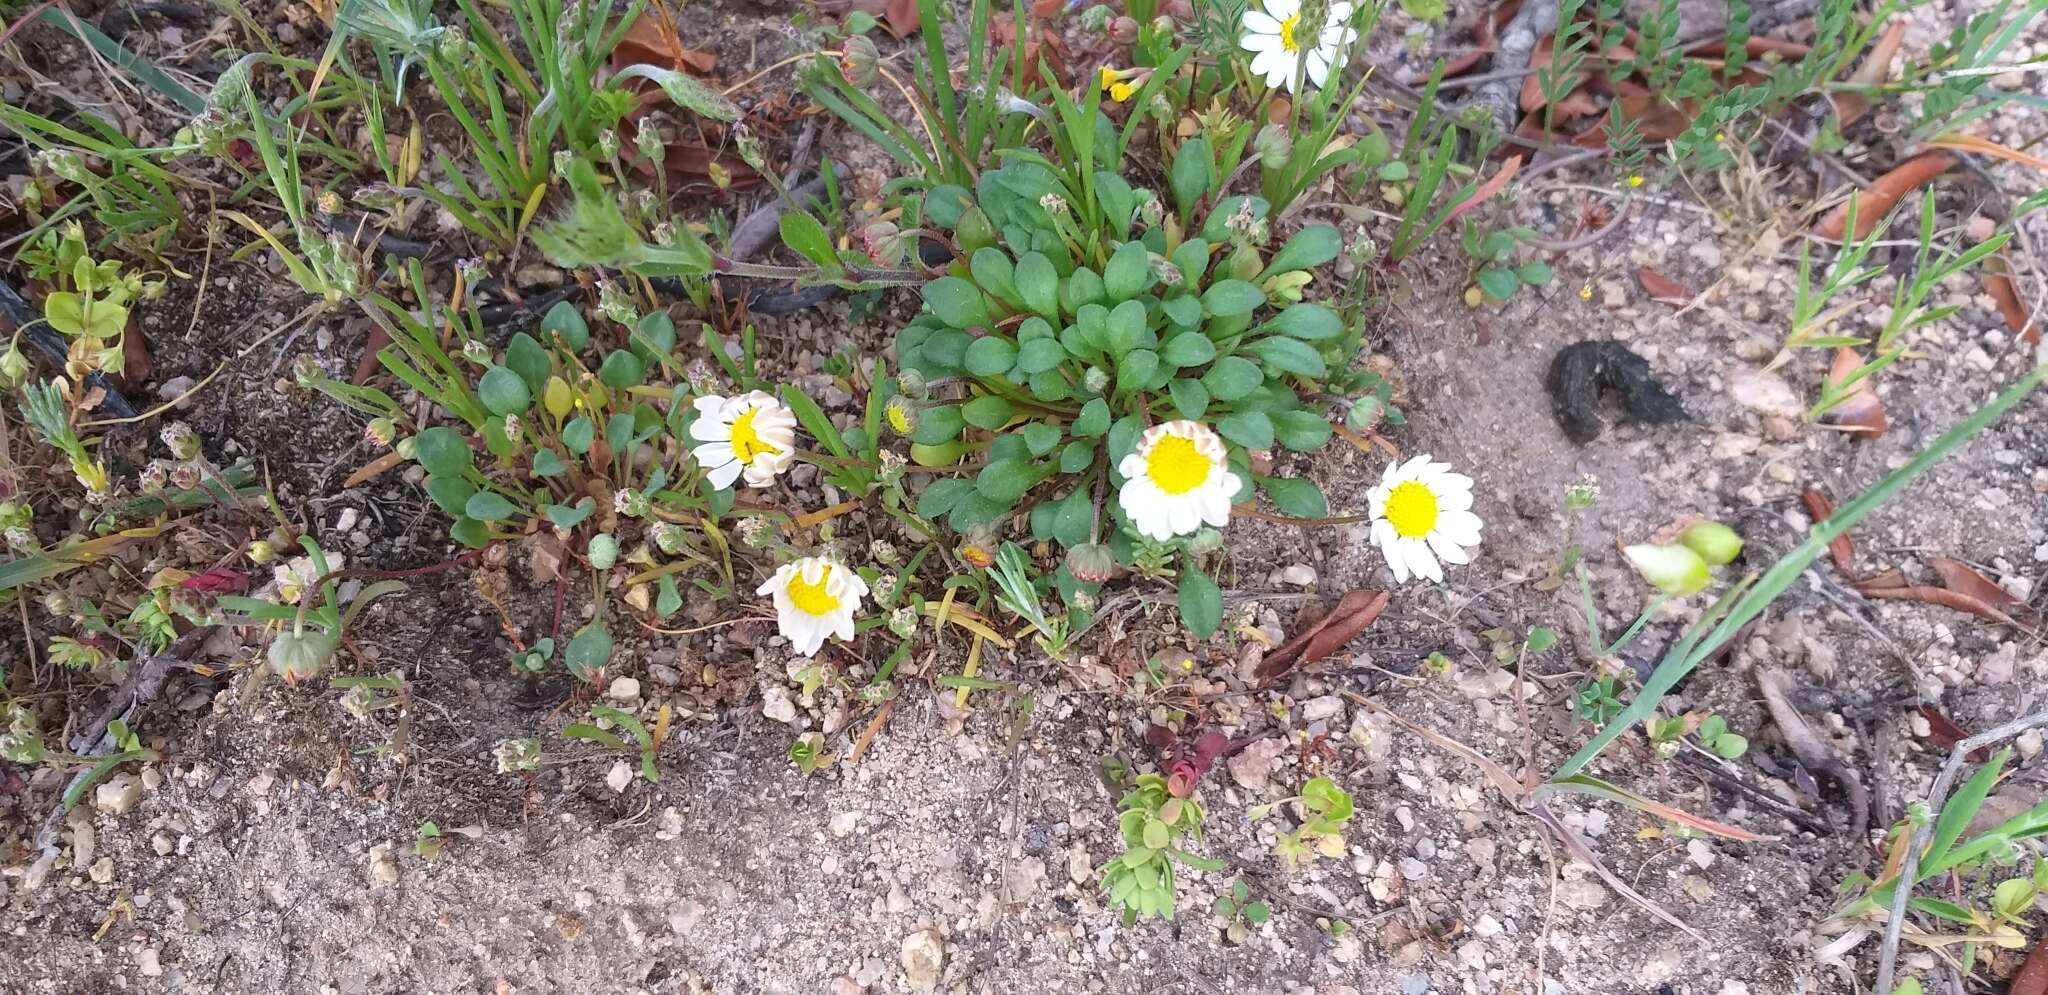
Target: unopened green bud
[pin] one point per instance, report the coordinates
(1097, 18)
(1095, 381)
(57, 603)
(564, 159)
(903, 622)
(648, 141)
(14, 369)
(603, 551)
(1091, 563)
(1205, 541)
(608, 145)
(1716, 543)
(1672, 569)
(1124, 31)
(517, 756)
(302, 654)
(1273, 146)
(380, 431)
(859, 61)
(913, 385)
(261, 551)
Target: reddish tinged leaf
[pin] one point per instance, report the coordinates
(1862, 414)
(1841, 548)
(653, 41)
(1757, 48)
(219, 580)
(1354, 611)
(1946, 598)
(1966, 579)
(1999, 284)
(1945, 734)
(1884, 193)
(2033, 976)
(1876, 67)
(1658, 119)
(1488, 189)
(1885, 580)
(1661, 287)
(366, 364)
(1972, 143)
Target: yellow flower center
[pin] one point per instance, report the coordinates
(1287, 33)
(1411, 509)
(746, 441)
(1176, 466)
(899, 418)
(812, 599)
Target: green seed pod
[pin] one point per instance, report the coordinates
(1674, 569)
(860, 62)
(1716, 543)
(301, 655)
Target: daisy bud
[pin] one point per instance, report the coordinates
(755, 532)
(359, 701)
(616, 302)
(1716, 543)
(153, 478)
(1206, 541)
(750, 149)
(664, 233)
(1124, 31)
(1673, 569)
(646, 201)
(901, 414)
(1095, 381)
(608, 144)
(302, 654)
(185, 476)
(859, 61)
(57, 603)
(563, 160)
(20, 538)
(887, 586)
(912, 384)
(630, 503)
(1581, 495)
(1167, 272)
(1162, 24)
(603, 551)
(261, 552)
(1053, 203)
(477, 352)
(1273, 146)
(1097, 18)
(328, 202)
(1365, 413)
(1091, 563)
(979, 548)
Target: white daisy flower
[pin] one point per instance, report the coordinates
(1422, 513)
(815, 597)
(1270, 35)
(1177, 480)
(753, 434)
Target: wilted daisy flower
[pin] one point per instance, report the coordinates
(815, 597)
(1422, 513)
(1177, 480)
(295, 575)
(1273, 37)
(753, 433)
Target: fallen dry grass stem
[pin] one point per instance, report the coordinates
(1888, 954)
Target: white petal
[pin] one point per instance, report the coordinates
(1419, 560)
(1318, 67)
(1269, 62)
(1453, 501)
(1382, 533)
(1258, 22)
(1446, 550)
(1281, 10)
(1183, 516)
(1340, 11)
(1215, 508)
(1132, 466)
(1448, 482)
(710, 405)
(710, 430)
(1260, 44)
(1414, 466)
(1461, 527)
(722, 476)
(1396, 562)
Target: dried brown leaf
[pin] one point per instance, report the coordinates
(1945, 734)
(1884, 193)
(1841, 548)
(1354, 611)
(2033, 976)
(1876, 68)
(1966, 579)
(1661, 287)
(1999, 284)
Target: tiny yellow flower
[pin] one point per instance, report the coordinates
(1586, 292)
(1636, 180)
